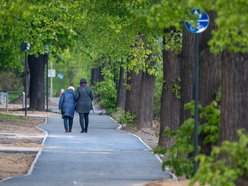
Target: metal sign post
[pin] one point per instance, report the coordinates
(197, 27)
(60, 76)
(51, 74)
(25, 47)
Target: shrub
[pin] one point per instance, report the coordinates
(127, 118)
(107, 93)
(179, 156)
(225, 165)
(123, 117)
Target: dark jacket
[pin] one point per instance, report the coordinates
(67, 103)
(84, 96)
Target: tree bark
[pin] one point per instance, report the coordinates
(187, 73)
(133, 93)
(210, 74)
(234, 94)
(121, 94)
(146, 100)
(37, 81)
(96, 75)
(210, 67)
(170, 101)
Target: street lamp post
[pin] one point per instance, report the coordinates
(25, 48)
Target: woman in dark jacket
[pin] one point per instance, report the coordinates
(84, 97)
(67, 107)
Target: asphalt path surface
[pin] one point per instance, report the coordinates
(103, 156)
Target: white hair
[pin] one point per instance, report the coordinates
(71, 87)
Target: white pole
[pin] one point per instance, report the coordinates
(51, 87)
(23, 100)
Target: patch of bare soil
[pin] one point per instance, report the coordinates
(23, 127)
(15, 164)
(19, 133)
(169, 183)
(21, 142)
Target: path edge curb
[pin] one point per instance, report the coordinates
(173, 176)
(30, 170)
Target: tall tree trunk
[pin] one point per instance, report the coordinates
(234, 94)
(133, 93)
(170, 98)
(187, 72)
(210, 73)
(146, 100)
(96, 75)
(210, 67)
(37, 81)
(121, 94)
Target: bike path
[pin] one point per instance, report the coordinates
(103, 156)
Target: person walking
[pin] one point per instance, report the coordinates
(84, 96)
(61, 92)
(67, 107)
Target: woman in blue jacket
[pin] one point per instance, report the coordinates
(67, 107)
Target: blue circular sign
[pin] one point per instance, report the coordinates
(201, 23)
(60, 75)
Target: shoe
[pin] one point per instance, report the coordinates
(86, 131)
(66, 131)
(69, 130)
(82, 131)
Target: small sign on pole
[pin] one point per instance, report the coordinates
(60, 75)
(201, 23)
(51, 73)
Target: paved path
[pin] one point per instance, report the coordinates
(103, 156)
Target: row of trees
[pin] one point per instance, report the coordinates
(223, 59)
(127, 44)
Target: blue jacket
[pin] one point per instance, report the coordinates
(67, 103)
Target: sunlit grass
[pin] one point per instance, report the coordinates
(8, 117)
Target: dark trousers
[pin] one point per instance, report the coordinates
(84, 121)
(66, 120)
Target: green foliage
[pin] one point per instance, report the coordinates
(173, 41)
(209, 118)
(124, 118)
(176, 88)
(9, 80)
(157, 94)
(106, 91)
(179, 155)
(146, 55)
(127, 118)
(14, 96)
(167, 14)
(210, 115)
(230, 34)
(226, 163)
(74, 67)
(43, 23)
